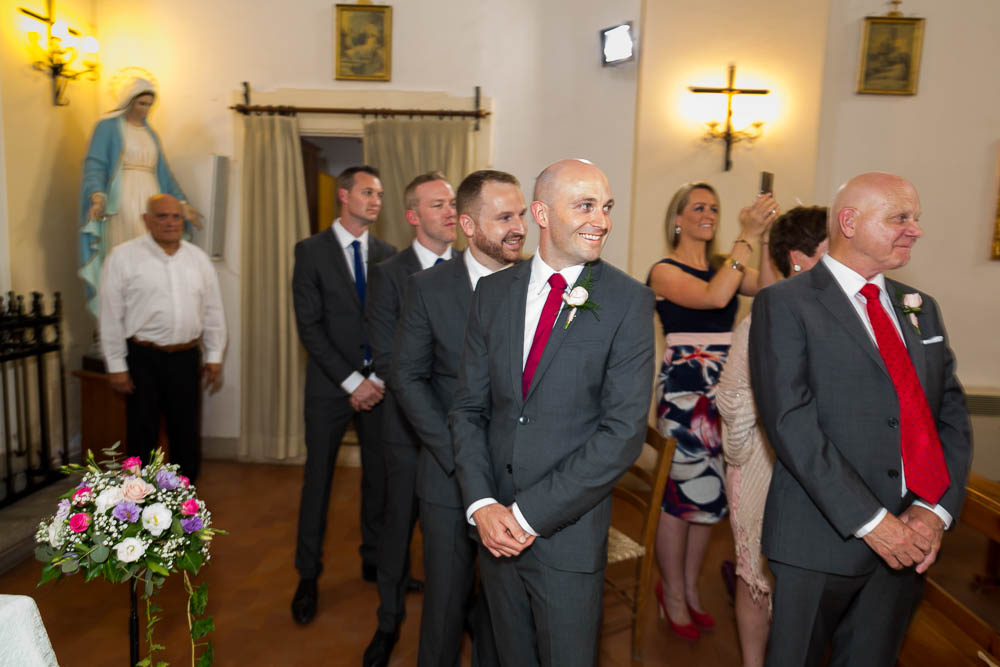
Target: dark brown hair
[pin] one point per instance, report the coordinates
(471, 187)
(803, 228)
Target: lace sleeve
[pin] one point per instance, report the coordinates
(734, 399)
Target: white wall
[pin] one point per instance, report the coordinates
(945, 140)
(537, 61)
(776, 44)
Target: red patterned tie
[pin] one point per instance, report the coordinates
(923, 461)
(557, 285)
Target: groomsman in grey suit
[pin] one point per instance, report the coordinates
(550, 411)
(856, 389)
(329, 288)
(426, 364)
(430, 207)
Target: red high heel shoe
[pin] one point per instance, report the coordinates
(702, 620)
(689, 631)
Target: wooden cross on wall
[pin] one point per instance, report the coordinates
(728, 135)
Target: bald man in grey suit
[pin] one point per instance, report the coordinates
(550, 411)
(856, 389)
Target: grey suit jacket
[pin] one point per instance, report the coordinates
(386, 290)
(559, 452)
(328, 311)
(831, 413)
(428, 351)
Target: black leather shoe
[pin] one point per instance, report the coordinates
(378, 651)
(369, 572)
(304, 602)
(414, 585)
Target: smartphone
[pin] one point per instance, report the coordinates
(766, 182)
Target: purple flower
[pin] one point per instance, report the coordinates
(126, 511)
(192, 524)
(63, 510)
(167, 479)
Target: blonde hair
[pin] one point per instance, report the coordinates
(677, 205)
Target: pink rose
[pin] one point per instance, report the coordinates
(190, 506)
(912, 300)
(79, 522)
(136, 488)
(185, 481)
(132, 464)
(83, 495)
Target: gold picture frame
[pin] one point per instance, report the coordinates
(364, 43)
(890, 55)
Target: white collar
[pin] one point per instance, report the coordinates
(427, 257)
(345, 238)
(850, 280)
(541, 272)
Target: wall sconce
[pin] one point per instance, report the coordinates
(727, 133)
(64, 45)
(617, 44)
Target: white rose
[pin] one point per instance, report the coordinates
(108, 498)
(57, 534)
(156, 518)
(576, 297)
(912, 300)
(136, 489)
(130, 549)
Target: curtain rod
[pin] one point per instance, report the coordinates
(283, 110)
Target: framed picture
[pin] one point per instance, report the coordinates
(890, 55)
(364, 42)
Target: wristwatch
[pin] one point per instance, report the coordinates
(736, 264)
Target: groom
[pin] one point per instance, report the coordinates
(549, 412)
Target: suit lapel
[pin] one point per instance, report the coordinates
(517, 301)
(339, 262)
(914, 345)
(833, 298)
(412, 261)
(559, 330)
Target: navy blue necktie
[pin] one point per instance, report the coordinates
(438, 261)
(359, 284)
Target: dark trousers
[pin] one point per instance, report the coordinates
(450, 603)
(326, 421)
(864, 618)
(167, 384)
(541, 615)
(397, 531)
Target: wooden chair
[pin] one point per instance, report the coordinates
(633, 536)
(944, 631)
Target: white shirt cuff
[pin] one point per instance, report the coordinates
(870, 526)
(213, 356)
(116, 365)
(474, 507)
(944, 514)
(352, 382)
(377, 380)
(524, 522)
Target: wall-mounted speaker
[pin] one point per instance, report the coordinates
(214, 174)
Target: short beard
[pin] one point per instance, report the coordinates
(495, 251)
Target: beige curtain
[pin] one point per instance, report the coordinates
(275, 216)
(402, 149)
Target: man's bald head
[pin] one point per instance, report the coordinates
(874, 223)
(548, 181)
(164, 219)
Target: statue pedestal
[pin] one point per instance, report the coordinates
(102, 414)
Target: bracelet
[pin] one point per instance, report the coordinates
(736, 264)
(744, 241)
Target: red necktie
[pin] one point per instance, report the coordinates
(557, 285)
(923, 461)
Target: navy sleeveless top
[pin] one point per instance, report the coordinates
(678, 319)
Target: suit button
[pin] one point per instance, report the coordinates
(524, 420)
(893, 473)
(510, 469)
(893, 422)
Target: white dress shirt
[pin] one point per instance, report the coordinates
(538, 292)
(159, 298)
(427, 257)
(345, 239)
(477, 270)
(851, 283)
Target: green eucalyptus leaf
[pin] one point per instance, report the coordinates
(156, 567)
(44, 553)
(149, 588)
(100, 554)
(69, 566)
(100, 539)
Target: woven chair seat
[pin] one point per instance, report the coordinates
(621, 547)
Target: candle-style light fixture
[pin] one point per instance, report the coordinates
(64, 46)
(727, 133)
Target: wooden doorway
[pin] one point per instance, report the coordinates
(323, 159)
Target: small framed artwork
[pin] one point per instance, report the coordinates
(890, 55)
(364, 42)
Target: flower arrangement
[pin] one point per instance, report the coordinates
(132, 522)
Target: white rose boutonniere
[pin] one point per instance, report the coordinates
(579, 297)
(912, 306)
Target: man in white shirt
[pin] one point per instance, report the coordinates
(329, 290)
(856, 388)
(430, 208)
(428, 351)
(159, 304)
